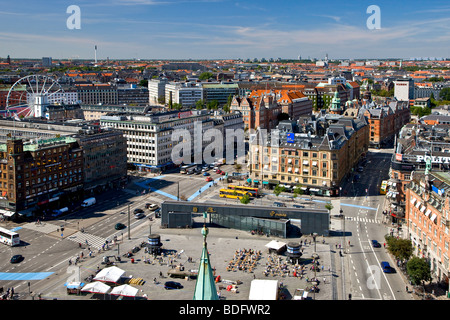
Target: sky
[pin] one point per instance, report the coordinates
(225, 29)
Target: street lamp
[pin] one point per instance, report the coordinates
(314, 235)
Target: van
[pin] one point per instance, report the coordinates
(88, 202)
(386, 267)
(279, 204)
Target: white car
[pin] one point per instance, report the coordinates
(153, 207)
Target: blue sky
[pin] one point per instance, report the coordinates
(219, 29)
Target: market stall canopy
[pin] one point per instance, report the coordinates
(96, 287)
(263, 290)
(125, 290)
(276, 245)
(111, 274)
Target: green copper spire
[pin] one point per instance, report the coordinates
(205, 287)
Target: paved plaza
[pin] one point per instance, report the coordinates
(184, 246)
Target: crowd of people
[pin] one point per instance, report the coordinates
(244, 260)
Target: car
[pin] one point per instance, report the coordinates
(208, 179)
(153, 207)
(206, 174)
(222, 173)
(376, 244)
(119, 226)
(158, 213)
(139, 215)
(122, 212)
(138, 211)
(360, 169)
(16, 258)
(298, 206)
(172, 285)
(386, 267)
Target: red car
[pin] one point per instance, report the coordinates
(208, 179)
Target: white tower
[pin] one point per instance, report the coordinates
(95, 54)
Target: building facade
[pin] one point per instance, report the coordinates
(314, 153)
(404, 89)
(428, 220)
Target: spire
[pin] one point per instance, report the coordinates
(205, 287)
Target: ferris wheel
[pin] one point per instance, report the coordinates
(30, 95)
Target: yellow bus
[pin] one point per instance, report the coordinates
(254, 191)
(233, 194)
(383, 187)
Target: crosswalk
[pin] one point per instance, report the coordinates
(78, 237)
(92, 240)
(359, 219)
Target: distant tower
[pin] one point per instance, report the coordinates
(8, 60)
(335, 107)
(95, 54)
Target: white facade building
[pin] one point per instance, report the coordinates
(156, 89)
(404, 89)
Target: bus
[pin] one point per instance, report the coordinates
(9, 237)
(254, 191)
(383, 187)
(186, 168)
(233, 194)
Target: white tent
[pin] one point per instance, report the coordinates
(111, 274)
(125, 290)
(275, 245)
(96, 287)
(263, 290)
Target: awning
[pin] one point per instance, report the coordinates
(255, 181)
(305, 162)
(413, 200)
(296, 170)
(112, 274)
(314, 190)
(433, 217)
(96, 287)
(275, 244)
(296, 179)
(125, 290)
(289, 169)
(418, 204)
(422, 209)
(314, 163)
(7, 213)
(428, 212)
(289, 160)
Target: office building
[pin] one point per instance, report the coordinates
(404, 89)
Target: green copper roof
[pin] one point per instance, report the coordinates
(205, 287)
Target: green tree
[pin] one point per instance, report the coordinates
(297, 190)
(245, 199)
(401, 249)
(418, 270)
(445, 94)
(278, 190)
(329, 206)
(143, 83)
(212, 105)
(200, 104)
(238, 167)
(205, 76)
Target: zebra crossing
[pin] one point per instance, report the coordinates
(87, 238)
(78, 237)
(359, 219)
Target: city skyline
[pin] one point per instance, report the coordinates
(221, 29)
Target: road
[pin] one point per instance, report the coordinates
(363, 222)
(47, 249)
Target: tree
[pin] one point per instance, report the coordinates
(162, 99)
(445, 94)
(418, 270)
(238, 167)
(245, 199)
(205, 76)
(143, 83)
(199, 104)
(212, 105)
(278, 190)
(401, 249)
(297, 190)
(329, 206)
